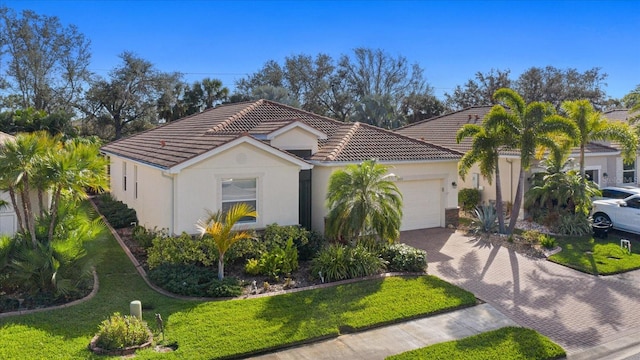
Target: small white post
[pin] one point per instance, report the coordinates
(625, 245)
(135, 308)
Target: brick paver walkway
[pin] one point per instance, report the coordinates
(577, 310)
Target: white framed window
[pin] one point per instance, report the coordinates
(629, 173)
(124, 176)
(240, 190)
(135, 181)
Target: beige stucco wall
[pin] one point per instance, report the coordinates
(153, 203)
(198, 187)
(8, 221)
(444, 171)
(509, 171)
(296, 139)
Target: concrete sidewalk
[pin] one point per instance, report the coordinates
(394, 339)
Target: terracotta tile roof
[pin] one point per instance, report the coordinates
(357, 141)
(181, 140)
(441, 130)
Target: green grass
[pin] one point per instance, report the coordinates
(597, 256)
(505, 343)
(209, 330)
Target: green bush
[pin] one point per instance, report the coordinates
(184, 279)
(402, 257)
(241, 251)
(468, 199)
(117, 213)
(182, 249)
(118, 332)
(307, 242)
(144, 237)
(227, 287)
(276, 262)
(339, 262)
(531, 236)
(547, 241)
(573, 225)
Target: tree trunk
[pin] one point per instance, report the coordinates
(28, 213)
(221, 266)
(53, 213)
(41, 203)
(14, 203)
(582, 146)
(517, 202)
(499, 207)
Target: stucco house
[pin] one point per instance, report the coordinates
(603, 163)
(276, 158)
(629, 172)
(8, 221)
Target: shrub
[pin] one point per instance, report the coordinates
(144, 237)
(573, 225)
(547, 241)
(402, 257)
(469, 199)
(241, 251)
(117, 213)
(307, 242)
(118, 332)
(184, 279)
(182, 249)
(338, 262)
(486, 218)
(531, 236)
(227, 287)
(276, 262)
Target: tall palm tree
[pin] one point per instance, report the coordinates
(362, 200)
(219, 226)
(485, 150)
(591, 126)
(526, 127)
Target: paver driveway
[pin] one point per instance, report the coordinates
(577, 310)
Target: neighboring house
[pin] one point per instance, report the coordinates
(601, 161)
(626, 173)
(8, 222)
(276, 158)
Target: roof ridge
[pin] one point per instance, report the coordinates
(235, 117)
(412, 139)
(275, 103)
(443, 115)
(343, 142)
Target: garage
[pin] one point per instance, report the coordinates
(422, 204)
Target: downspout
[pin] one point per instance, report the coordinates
(173, 199)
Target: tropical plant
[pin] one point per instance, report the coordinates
(362, 200)
(576, 224)
(485, 218)
(487, 141)
(527, 127)
(220, 233)
(592, 126)
(119, 332)
(469, 198)
(339, 262)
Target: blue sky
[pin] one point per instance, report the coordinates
(450, 40)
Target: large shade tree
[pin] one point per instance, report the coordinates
(363, 200)
(527, 127)
(219, 227)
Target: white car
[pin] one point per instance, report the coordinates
(624, 214)
(619, 192)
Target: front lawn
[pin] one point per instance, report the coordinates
(598, 256)
(504, 343)
(209, 330)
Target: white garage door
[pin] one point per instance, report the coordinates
(7, 224)
(422, 204)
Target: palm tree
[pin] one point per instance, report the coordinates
(526, 127)
(70, 172)
(485, 149)
(219, 226)
(363, 200)
(591, 126)
(18, 161)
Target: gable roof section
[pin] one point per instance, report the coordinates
(355, 142)
(175, 143)
(619, 115)
(442, 130)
